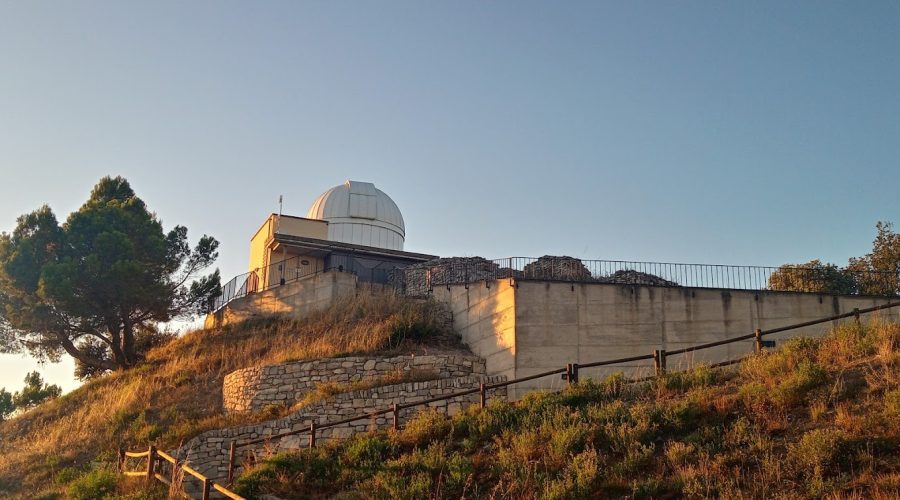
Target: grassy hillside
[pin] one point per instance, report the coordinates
(815, 418)
(176, 393)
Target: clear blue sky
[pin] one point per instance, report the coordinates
(720, 132)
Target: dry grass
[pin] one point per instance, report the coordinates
(327, 389)
(812, 419)
(176, 393)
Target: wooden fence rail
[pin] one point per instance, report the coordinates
(178, 471)
(570, 373)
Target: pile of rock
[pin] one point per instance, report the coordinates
(562, 268)
(632, 277)
(419, 279)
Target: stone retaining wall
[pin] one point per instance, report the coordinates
(252, 389)
(208, 452)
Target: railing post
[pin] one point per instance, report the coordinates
(571, 373)
(312, 434)
(207, 484)
(120, 462)
(856, 315)
(232, 450)
(758, 338)
(659, 361)
(151, 464)
(396, 409)
(483, 395)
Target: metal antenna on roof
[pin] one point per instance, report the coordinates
(280, 204)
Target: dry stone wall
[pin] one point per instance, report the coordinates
(208, 452)
(252, 389)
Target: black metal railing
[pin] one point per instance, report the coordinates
(298, 267)
(276, 274)
(423, 278)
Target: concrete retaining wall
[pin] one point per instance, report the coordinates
(297, 298)
(484, 315)
(528, 327)
(252, 389)
(208, 452)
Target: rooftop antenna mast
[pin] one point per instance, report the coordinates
(280, 206)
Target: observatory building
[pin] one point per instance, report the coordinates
(353, 227)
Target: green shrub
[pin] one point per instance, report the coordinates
(770, 366)
(520, 451)
(636, 460)
(680, 381)
(650, 487)
(364, 454)
(388, 485)
(94, 485)
(785, 389)
(420, 473)
(308, 468)
(795, 386)
(568, 436)
(679, 453)
(816, 450)
(66, 475)
(578, 479)
(484, 425)
(590, 390)
(426, 426)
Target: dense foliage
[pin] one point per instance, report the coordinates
(34, 393)
(876, 273)
(93, 286)
(6, 404)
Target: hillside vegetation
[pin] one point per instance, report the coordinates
(176, 393)
(814, 418)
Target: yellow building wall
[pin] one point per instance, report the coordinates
(261, 256)
(259, 253)
(297, 226)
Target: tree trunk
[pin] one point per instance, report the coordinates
(73, 351)
(128, 341)
(115, 345)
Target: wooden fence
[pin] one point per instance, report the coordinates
(569, 373)
(178, 471)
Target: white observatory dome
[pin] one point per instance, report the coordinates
(360, 213)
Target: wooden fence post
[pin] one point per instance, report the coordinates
(312, 434)
(483, 395)
(206, 487)
(151, 464)
(232, 450)
(396, 417)
(856, 315)
(758, 337)
(574, 379)
(659, 361)
(120, 461)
